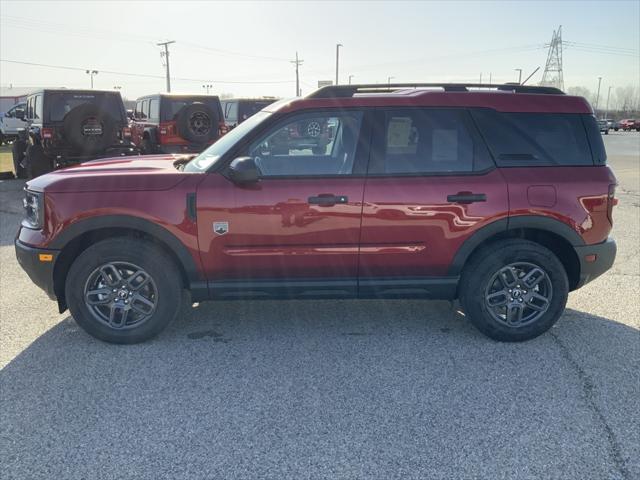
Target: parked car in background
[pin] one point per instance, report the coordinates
(169, 123)
(67, 126)
(459, 192)
(603, 125)
(629, 124)
(237, 110)
(610, 122)
(11, 121)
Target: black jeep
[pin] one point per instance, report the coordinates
(70, 126)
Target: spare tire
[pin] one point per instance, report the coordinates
(89, 129)
(198, 123)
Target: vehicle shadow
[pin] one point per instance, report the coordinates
(383, 389)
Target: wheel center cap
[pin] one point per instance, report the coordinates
(517, 293)
(122, 294)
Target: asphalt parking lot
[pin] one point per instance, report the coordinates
(327, 389)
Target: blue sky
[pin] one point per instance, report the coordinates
(221, 42)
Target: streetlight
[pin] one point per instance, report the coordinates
(338, 59)
(598, 96)
(207, 87)
(117, 87)
(389, 81)
(350, 77)
(92, 73)
(519, 70)
(606, 109)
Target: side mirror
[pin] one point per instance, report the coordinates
(243, 170)
(19, 114)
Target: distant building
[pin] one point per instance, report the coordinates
(11, 96)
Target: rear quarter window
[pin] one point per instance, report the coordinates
(535, 139)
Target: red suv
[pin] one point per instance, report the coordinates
(499, 196)
(169, 123)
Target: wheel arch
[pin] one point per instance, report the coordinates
(79, 236)
(548, 232)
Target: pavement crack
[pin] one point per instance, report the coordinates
(588, 389)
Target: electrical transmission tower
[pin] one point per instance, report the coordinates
(552, 76)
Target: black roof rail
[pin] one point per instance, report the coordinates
(341, 91)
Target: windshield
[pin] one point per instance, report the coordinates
(212, 154)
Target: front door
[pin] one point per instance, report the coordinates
(296, 232)
(431, 185)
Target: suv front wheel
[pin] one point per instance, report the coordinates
(514, 290)
(123, 290)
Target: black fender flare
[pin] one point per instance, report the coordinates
(153, 134)
(154, 230)
(503, 225)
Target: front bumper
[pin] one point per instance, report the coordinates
(595, 260)
(38, 263)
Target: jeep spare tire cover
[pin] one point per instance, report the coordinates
(90, 129)
(198, 123)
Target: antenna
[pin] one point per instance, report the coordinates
(552, 76)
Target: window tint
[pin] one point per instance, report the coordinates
(172, 106)
(423, 141)
(309, 144)
(529, 139)
(154, 109)
(58, 104)
(231, 112)
(138, 112)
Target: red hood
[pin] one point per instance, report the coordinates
(149, 172)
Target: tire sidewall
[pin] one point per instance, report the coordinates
(184, 116)
(478, 276)
(17, 153)
(74, 120)
(36, 162)
(143, 254)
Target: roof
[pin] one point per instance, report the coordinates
(504, 98)
(15, 92)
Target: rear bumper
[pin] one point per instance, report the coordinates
(40, 272)
(595, 260)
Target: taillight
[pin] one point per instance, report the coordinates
(612, 201)
(47, 133)
(126, 132)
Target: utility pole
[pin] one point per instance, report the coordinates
(389, 81)
(598, 96)
(337, 60)
(297, 63)
(490, 77)
(519, 70)
(350, 77)
(91, 73)
(480, 78)
(165, 55)
(207, 87)
(606, 109)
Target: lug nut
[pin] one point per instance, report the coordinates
(520, 300)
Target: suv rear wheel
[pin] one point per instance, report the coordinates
(123, 290)
(17, 151)
(514, 290)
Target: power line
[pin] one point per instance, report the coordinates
(145, 75)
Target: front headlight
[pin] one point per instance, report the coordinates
(33, 209)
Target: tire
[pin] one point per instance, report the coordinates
(481, 277)
(147, 147)
(312, 129)
(198, 123)
(89, 129)
(127, 255)
(36, 163)
(17, 152)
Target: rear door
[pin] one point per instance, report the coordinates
(297, 230)
(431, 184)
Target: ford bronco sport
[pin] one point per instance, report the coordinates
(70, 126)
(169, 123)
(499, 196)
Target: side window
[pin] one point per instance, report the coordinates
(30, 108)
(11, 113)
(144, 113)
(428, 141)
(231, 112)
(154, 109)
(309, 144)
(530, 139)
(37, 109)
(137, 114)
